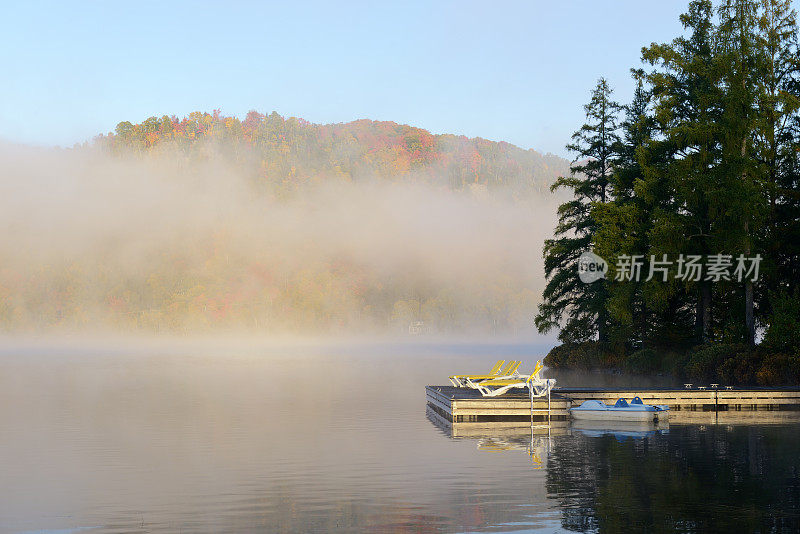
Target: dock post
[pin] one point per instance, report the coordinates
(548, 405)
(530, 394)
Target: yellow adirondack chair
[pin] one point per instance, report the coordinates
(499, 386)
(459, 380)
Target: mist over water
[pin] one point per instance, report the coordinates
(168, 243)
(112, 438)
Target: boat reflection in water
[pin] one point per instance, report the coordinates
(620, 429)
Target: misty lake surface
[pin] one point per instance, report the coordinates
(216, 438)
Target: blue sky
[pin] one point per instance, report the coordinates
(513, 71)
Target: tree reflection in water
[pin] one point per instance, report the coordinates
(666, 478)
(695, 478)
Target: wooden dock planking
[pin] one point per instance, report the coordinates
(464, 405)
(734, 417)
(693, 399)
(467, 405)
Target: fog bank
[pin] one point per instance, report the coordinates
(168, 243)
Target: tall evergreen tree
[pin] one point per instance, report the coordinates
(624, 227)
(777, 134)
(688, 112)
(581, 307)
(740, 204)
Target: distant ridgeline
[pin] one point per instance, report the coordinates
(292, 152)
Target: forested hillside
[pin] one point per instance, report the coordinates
(273, 225)
(288, 153)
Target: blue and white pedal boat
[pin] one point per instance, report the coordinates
(636, 410)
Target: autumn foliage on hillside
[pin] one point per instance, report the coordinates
(273, 225)
(286, 153)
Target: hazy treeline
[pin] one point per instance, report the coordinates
(703, 161)
(273, 225)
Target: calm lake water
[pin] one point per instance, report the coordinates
(338, 439)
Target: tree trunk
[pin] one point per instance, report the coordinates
(602, 333)
(749, 322)
(703, 317)
(602, 316)
(698, 319)
(748, 313)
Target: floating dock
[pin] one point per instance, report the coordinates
(464, 405)
(467, 405)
